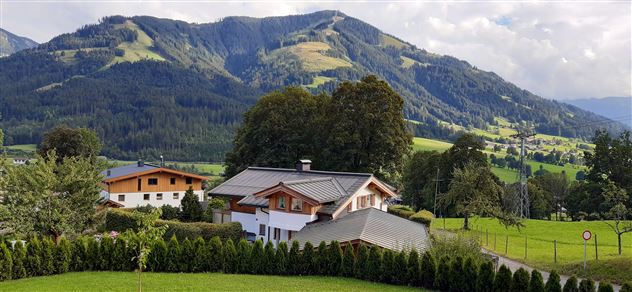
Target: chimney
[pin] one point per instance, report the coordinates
(303, 165)
(109, 172)
(141, 163)
(162, 161)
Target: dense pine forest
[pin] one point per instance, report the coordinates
(151, 86)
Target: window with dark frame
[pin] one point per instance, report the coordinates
(172, 181)
(262, 229)
(189, 180)
(140, 181)
(158, 196)
(146, 197)
(176, 196)
(297, 204)
(152, 181)
(121, 198)
(281, 203)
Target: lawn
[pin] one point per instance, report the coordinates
(23, 147)
(540, 235)
(126, 281)
(423, 144)
(204, 168)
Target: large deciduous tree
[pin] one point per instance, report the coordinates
(49, 198)
(615, 199)
(70, 142)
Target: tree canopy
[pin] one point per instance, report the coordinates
(70, 142)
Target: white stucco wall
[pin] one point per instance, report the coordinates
(364, 192)
(133, 200)
(248, 221)
(262, 217)
(289, 221)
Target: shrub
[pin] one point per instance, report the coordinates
(413, 268)
(187, 256)
(34, 258)
(423, 217)
(294, 259)
(215, 256)
(321, 258)
(173, 255)
(428, 270)
(105, 253)
(270, 263)
(536, 284)
(19, 258)
(503, 279)
(627, 287)
(257, 259)
(243, 257)
(571, 285)
(348, 261)
(158, 257)
(200, 256)
(453, 246)
(587, 285)
(374, 264)
(307, 259)
(520, 282)
(457, 282)
(6, 262)
(485, 279)
(553, 283)
(281, 258)
(442, 280)
(92, 256)
(335, 259)
(605, 287)
(388, 266)
(362, 259)
(119, 220)
(79, 252)
(169, 212)
(63, 258)
(120, 254)
(145, 209)
(48, 256)
(191, 208)
(401, 211)
(400, 262)
(230, 257)
(594, 216)
(470, 273)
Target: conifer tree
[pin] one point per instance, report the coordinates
(257, 260)
(6, 262)
(186, 256)
(520, 281)
(92, 256)
(360, 269)
(48, 256)
(270, 263)
(334, 261)
(348, 262)
(63, 257)
(571, 285)
(321, 258)
(173, 255)
(457, 282)
(414, 269)
(281, 258)
(158, 257)
(605, 287)
(536, 284)
(374, 264)
(294, 259)
(34, 258)
(215, 252)
(120, 254)
(485, 279)
(230, 261)
(19, 259)
(587, 285)
(105, 253)
(428, 270)
(200, 256)
(388, 266)
(503, 280)
(470, 273)
(553, 283)
(243, 257)
(402, 268)
(79, 255)
(307, 259)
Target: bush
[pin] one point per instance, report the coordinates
(63, 258)
(553, 283)
(389, 270)
(215, 256)
(187, 256)
(243, 257)
(281, 258)
(270, 263)
(34, 258)
(587, 285)
(6, 262)
(348, 262)
(362, 259)
(428, 270)
(571, 285)
(520, 282)
(536, 284)
(230, 257)
(157, 259)
(200, 256)
(413, 269)
(121, 262)
(335, 259)
(442, 280)
(105, 253)
(173, 255)
(605, 287)
(503, 279)
(48, 256)
(321, 259)
(19, 258)
(374, 264)
(462, 246)
(485, 279)
(79, 252)
(470, 273)
(627, 287)
(457, 282)
(294, 259)
(401, 211)
(256, 257)
(92, 256)
(191, 208)
(307, 259)
(145, 209)
(169, 212)
(423, 217)
(594, 216)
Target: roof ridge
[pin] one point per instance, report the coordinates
(310, 171)
(307, 180)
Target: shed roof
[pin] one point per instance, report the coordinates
(127, 170)
(369, 225)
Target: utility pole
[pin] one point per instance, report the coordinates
(437, 180)
(523, 194)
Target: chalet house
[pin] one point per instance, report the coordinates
(20, 161)
(141, 184)
(275, 204)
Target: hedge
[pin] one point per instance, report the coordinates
(120, 220)
(200, 255)
(401, 211)
(423, 217)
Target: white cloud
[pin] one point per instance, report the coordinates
(557, 50)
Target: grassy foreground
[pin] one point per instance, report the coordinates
(540, 235)
(126, 281)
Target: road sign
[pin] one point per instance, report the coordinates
(587, 235)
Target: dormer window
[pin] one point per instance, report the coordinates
(281, 203)
(297, 204)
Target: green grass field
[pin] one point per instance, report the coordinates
(423, 144)
(126, 281)
(319, 80)
(202, 167)
(540, 235)
(23, 147)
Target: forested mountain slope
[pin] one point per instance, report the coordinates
(11, 43)
(151, 85)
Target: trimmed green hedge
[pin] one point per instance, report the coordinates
(423, 217)
(401, 211)
(120, 220)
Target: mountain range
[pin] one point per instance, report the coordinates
(152, 86)
(11, 43)
(618, 108)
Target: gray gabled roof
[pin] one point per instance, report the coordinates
(322, 190)
(369, 225)
(126, 170)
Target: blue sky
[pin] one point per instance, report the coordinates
(558, 50)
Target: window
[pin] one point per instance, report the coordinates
(158, 196)
(189, 180)
(297, 204)
(146, 197)
(139, 183)
(349, 207)
(152, 181)
(121, 198)
(281, 203)
(362, 202)
(262, 229)
(372, 199)
(172, 180)
(176, 196)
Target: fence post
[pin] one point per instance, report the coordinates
(596, 251)
(525, 247)
(555, 251)
(506, 243)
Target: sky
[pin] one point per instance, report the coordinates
(556, 49)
